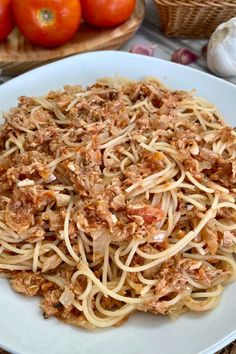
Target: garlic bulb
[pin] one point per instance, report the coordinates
(221, 51)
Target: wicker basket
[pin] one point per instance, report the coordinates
(193, 18)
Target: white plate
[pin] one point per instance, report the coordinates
(22, 327)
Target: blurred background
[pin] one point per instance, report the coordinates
(193, 32)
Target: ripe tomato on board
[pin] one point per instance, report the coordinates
(48, 23)
(6, 19)
(106, 13)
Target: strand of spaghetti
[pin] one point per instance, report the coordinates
(222, 148)
(95, 263)
(114, 269)
(138, 105)
(133, 285)
(129, 155)
(199, 306)
(148, 107)
(15, 267)
(8, 153)
(110, 154)
(107, 152)
(17, 142)
(90, 305)
(229, 198)
(224, 227)
(146, 281)
(32, 117)
(129, 300)
(187, 186)
(211, 196)
(127, 263)
(44, 103)
(36, 256)
(59, 114)
(127, 249)
(199, 185)
(191, 201)
(59, 122)
(213, 125)
(8, 259)
(14, 249)
(85, 239)
(89, 285)
(215, 146)
(156, 147)
(66, 140)
(170, 221)
(147, 179)
(82, 251)
(156, 200)
(86, 291)
(19, 127)
(124, 163)
(134, 151)
(66, 232)
(55, 162)
(226, 205)
(201, 198)
(49, 246)
(201, 121)
(105, 265)
(170, 252)
(165, 203)
(152, 186)
(98, 322)
(124, 311)
(145, 290)
(208, 293)
(174, 199)
(77, 305)
(117, 140)
(109, 271)
(170, 186)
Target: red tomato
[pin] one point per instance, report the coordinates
(6, 19)
(106, 13)
(48, 23)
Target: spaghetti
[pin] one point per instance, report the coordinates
(117, 198)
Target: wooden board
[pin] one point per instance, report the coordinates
(17, 54)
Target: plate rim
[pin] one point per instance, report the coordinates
(121, 54)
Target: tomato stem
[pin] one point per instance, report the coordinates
(46, 16)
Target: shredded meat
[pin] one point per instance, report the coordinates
(211, 239)
(25, 202)
(27, 283)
